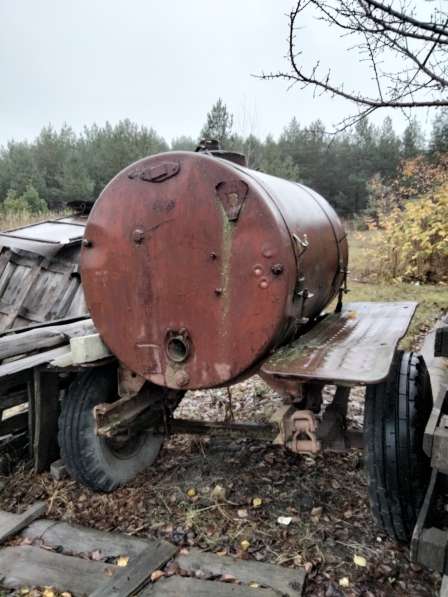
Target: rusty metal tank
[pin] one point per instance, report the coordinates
(196, 268)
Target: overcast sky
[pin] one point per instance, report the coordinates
(161, 63)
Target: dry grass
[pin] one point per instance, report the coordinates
(364, 286)
(11, 220)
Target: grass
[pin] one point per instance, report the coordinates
(432, 299)
(9, 220)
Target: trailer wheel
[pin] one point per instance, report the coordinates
(96, 462)
(396, 412)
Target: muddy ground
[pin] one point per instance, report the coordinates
(227, 497)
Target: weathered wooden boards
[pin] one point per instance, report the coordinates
(29, 384)
(10, 524)
(32, 566)
(35, 289)
(59, 557)
(134, 576)
(285, 580)
(67, 568)
(19, 343)
(177, 586)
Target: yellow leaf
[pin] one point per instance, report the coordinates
(257, 502)
(344, 581)
(156, 575)
(244, 544)
(48, 592)
(123, 561)
(191, 492)
(359, 561)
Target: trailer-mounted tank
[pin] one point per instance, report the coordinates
(211, 266)
(199, 272)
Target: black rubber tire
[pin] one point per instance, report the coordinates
(396, 412)
(89, 458)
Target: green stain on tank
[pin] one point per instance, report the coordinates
(226, 255)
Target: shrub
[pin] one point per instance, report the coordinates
(29, 201)
(413, 245)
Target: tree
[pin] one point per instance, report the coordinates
(183, 143)
(34, 202)
(388, 149)
(413, 140)
(219, 124)
(382, 33)
(13, 203)
(75, 182)
(106, 150)
(439, 135)
(51, 151)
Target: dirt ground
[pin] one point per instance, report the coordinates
(229, 496)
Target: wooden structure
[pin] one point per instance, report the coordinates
(84, 562)
(41, 306)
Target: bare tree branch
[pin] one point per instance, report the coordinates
(385, 33)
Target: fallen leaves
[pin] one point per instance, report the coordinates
(359, 561)
(344, 582)
(284, 520)
(156, 575)
(122, 561)
(229, 497)
(244, 544)
(218, 493)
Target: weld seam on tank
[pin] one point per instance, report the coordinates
(338, 241)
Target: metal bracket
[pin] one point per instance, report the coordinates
(297, 430)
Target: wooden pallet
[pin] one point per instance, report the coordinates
(56, 554)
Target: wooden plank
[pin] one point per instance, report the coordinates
(45, 419)
(14, 424)
(21, 297)
(137, 572)
(32, 361)
(32, 566)
(178, 586)
(11, 524)
(289, 581)
(86, 349)
(36, 325)
(444, 587)
(77, 539)
(14, 398)
(5, 256)
(45, 337)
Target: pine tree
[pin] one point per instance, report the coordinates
(439, 135)
(413, 140)
(219, 124)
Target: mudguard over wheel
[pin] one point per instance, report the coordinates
(96, 462)
(396, 412)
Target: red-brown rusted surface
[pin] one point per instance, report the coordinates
(353, 347)
(195, 268)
